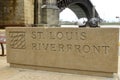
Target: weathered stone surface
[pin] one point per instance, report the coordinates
(75, 50)
(16, 12)
(47, 13)
(25, 12)
(50, 16)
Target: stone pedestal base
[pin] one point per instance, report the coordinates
(62, 70)
(44, 25)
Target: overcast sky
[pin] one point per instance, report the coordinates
(107, 9)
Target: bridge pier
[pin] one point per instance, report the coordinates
(28, 13)
(41, 12)
(16, 13)
(47, 13)
(50, 16)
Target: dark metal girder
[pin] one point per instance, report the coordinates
(86, 5)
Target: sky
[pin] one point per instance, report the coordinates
(107, 9)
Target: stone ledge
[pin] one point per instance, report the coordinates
(92, 73)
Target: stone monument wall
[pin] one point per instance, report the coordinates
(91, 51)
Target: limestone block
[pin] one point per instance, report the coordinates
(92, 51)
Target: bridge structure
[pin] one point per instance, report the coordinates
(42, 12)
(82, 8)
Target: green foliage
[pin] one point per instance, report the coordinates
(68, 23)
(110, 23)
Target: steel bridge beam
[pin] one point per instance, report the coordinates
(84, 7)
